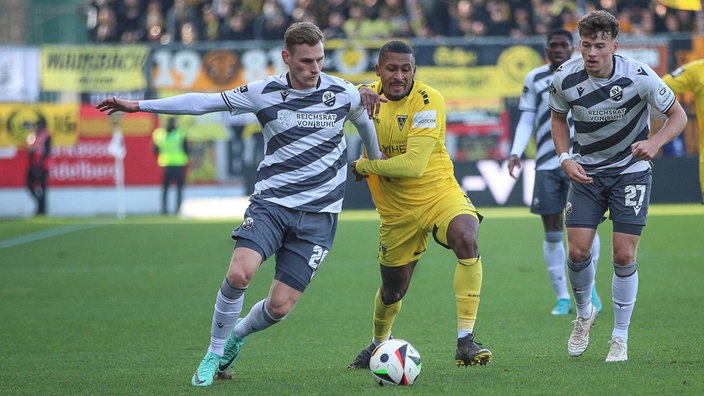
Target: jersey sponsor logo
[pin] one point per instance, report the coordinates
(581, 113)
(393, 149)
(425, 119)
(401, 121)
(329, 98)
(616, 93)
(290, 119)
(241, 89)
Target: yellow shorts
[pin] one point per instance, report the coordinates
(404, 237)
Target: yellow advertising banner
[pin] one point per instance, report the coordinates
(93, 68)
(17, 121)
(503, 79)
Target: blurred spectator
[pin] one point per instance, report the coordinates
(272, 23)
(238, 27)
(393, 13)
(154, 21)
(38, 152)
(543, 21)
(130, 21)
(499, 23)
(288, 6)
(224, 8)
(359, 25)
(189, 33)
(441, 16)
(105, 30)
(419, 20)
(211, 25)
(176, 16)
(369, 19)
(522, 25)
(304, 12)
(334, 26)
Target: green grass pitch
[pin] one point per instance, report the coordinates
(114, 307)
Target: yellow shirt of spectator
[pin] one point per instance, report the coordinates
(415, 124)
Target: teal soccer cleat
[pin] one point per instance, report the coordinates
(232, 350)
(206, 370)
(563, 306)
(596, 301)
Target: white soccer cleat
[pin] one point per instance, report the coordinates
(579, 339)
(618, 351)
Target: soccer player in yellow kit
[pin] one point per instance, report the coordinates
(690, 78)
(416, 194)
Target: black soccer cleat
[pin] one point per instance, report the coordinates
(363, 358)
(470, 353)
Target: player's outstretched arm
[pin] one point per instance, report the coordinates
(112, 105)
(188, 103)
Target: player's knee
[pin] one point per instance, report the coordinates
(578, 253)
(278, 312)
(623, 256)
(464, 244)
(391, 295)
(238, 278)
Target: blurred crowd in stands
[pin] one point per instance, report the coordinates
(189, 21)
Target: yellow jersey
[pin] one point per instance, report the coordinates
(690, 78)
(396, 184)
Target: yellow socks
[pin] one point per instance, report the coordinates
(384, 316)
(468, 284)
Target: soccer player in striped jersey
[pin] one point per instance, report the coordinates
(690, 78)
(299, 185)
(416, 194)
(551, 182)
(609, 97)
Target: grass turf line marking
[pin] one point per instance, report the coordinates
(45, 234)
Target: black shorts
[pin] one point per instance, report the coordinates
(550, 192)
(626, 197)
(300, 240)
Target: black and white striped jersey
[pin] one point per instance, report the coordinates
(305, 159)
(304, 165)
(534, 99)
(609, 114)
